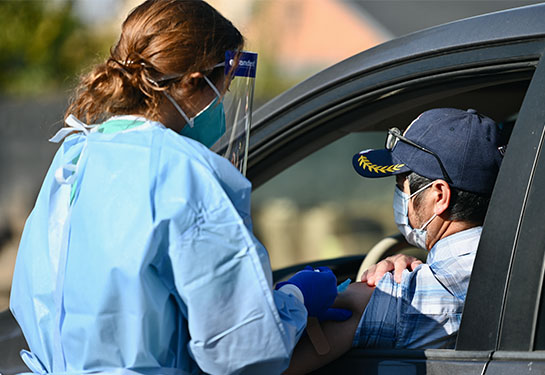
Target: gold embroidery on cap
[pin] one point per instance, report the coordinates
(365, 163)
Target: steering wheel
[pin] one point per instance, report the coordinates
(384, 248)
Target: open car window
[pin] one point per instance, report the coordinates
(320, 208)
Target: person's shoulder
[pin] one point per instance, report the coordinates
(167, 143)
(458, 247)
(187, 148)
(461, 237)
(420, 277)
(201, 170)
(415, 282)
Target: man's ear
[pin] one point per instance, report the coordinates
(441, 191)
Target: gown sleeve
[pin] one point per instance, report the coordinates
(237, 323)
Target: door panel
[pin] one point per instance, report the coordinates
(508, 363)
(524, 288)
(481, 322)
(394, 362)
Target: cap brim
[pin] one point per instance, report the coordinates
(377, 163)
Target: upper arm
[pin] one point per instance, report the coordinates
(339, 335)
(221, 275)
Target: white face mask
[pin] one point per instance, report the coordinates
(416, 237)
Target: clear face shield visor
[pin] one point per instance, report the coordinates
(240, 70)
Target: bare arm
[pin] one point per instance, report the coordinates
(339, 334)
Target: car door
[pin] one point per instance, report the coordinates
(509, 269)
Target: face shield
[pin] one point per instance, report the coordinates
(240, 70)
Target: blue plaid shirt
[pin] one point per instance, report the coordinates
(425, 310)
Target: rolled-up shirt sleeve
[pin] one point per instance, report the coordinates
(379, 324)
(415, 314)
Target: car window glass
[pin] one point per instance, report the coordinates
(320, 208)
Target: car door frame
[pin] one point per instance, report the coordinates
(509, 267)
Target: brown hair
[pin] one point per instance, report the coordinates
(159, 38)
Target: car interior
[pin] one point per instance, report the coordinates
(499, 99)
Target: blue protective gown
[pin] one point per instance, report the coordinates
(139, 257)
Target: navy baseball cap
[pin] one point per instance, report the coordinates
(460, 147)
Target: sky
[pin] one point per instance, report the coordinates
(97, 11)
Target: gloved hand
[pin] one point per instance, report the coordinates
(319, 289)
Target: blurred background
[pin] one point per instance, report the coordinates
(46, 45)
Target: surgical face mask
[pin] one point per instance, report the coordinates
(416, 237)
(209, 124)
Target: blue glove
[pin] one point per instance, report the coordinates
(319, 289)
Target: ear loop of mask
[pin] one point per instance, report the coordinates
(421, 189)
(427, 222)
(170, 98)
(422, 227)
(179, 109)
(188, 120)
(414, 236)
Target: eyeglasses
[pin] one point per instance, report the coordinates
(395, 135)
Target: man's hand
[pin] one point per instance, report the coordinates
(397, 263)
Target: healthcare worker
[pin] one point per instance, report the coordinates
(138, 256)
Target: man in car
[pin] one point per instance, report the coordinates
(445, 165)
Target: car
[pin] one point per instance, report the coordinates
(493, 63)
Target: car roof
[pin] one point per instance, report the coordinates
(513, 24)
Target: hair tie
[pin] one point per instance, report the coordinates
(120, 65)
(127, 64)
